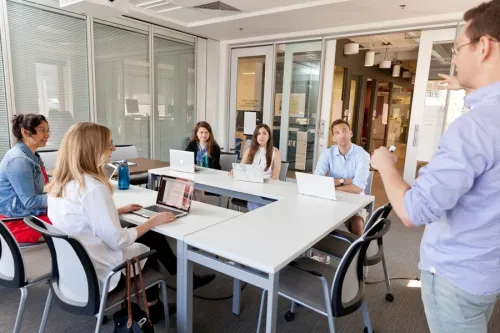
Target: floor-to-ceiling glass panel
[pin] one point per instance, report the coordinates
(296, 103)
(174, 95)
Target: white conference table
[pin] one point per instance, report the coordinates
(219, 182)
(265, 240)
(201, 216)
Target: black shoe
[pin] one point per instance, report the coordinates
(156, 311)
(202, 280)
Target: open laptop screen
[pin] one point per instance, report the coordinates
(175, 193)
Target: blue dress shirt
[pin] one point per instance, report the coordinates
(355, 165)
(457, 198)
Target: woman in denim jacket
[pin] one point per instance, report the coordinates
(23, 176)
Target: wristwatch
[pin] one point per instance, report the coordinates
(341, 181)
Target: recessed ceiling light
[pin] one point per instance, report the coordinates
(147, 3)
(241, 29)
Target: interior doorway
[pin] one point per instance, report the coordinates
(373, 89)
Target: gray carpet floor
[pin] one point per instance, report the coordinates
(405, 314)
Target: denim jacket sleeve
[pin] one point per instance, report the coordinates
(21, 176)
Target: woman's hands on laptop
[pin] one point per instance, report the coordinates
(129, 208)
(230, 173)
(162, 218)
(154, 221)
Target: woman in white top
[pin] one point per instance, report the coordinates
(80, 204)
(264, 155)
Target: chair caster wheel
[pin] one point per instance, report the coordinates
(366, 330)
(389, 298)
(289, 316)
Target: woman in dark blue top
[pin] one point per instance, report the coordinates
(206, 150)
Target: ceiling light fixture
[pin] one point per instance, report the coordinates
(147, 3)
(370, 56)
(157, 5)
(168, 9)
(351, 48)
(385, 64)
(396, 70)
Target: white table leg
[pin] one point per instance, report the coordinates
(184, 290)
(272, 303)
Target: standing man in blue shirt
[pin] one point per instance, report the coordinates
(457, 195)
(349, 165)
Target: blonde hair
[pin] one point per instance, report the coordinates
(84, 149)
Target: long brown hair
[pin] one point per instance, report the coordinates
(84, 149)
(211, 141)
(254, 146)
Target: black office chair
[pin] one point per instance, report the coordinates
(307, 282)
(22, 268)
(334, 247)
(74, 280)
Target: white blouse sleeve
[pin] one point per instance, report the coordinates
(102, 216)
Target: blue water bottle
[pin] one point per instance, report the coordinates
(123, 176)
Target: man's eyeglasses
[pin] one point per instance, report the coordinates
(456, 48)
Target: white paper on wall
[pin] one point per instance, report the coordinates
(385, 114)
(250, 122)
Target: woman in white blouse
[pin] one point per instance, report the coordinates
(80, 204)
(264, 155)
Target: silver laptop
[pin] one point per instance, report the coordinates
(182, 161)
(110, 170)
(174, 196)
(247, 173)
(316, 186)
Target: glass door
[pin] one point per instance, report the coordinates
(433, 109)
(251, 83)
(296, 111)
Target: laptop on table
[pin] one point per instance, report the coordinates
(110, 170)
(174, 196)
(247, 173)
(182, 161)
(316, 186)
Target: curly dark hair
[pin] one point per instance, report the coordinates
(27, 121)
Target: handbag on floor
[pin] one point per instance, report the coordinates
(132, 319)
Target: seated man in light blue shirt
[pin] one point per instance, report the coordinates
(349, 165)
(456, 196)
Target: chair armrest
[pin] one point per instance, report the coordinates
(316, 274)
(132, 261)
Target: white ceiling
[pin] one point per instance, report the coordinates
(270, 17)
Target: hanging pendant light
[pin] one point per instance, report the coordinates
(370, 58)
(385, 64)
(396, 70)
(351, 48)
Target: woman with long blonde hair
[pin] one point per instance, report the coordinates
(80, 204)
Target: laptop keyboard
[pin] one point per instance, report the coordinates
(159, 209)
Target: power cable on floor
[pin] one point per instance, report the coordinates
(394, 278)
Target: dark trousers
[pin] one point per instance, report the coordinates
(165, 255)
